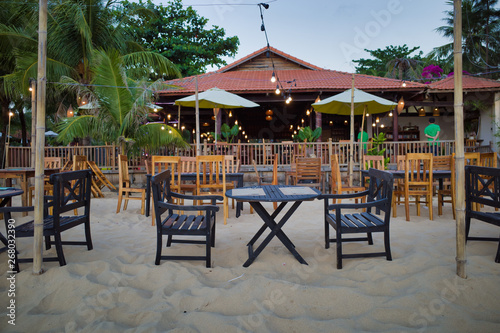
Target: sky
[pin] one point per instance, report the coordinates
(327, 33)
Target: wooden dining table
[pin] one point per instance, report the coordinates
(23, 174)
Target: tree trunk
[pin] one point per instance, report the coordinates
(22, 119)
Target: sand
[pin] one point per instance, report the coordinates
(117, 288)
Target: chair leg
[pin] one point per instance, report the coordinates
(387, 245)
(143, 200)
(497, 258)
(208, 249)
(327, 235)
(88, 237)
(158, 248)
(119, 202)
(339, 248)
(59, 249)
(47, 243)
(370, 238)
(429, 200)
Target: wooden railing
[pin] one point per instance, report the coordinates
(263, 153)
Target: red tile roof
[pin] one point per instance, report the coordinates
(305, 80)
(468, 83)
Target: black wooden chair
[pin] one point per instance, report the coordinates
(482, 187)
(172, 224)
(378, 197)
(71, 190)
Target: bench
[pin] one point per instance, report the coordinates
(482, 187)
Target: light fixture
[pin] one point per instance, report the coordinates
(70, 113)
(294, 132)
(269, 118)
(308, 112)
(11, 114)
(194, 131)
(403, 84)
(377, 120)
(169, 116)
(382, 125)
(367, 114)
(373, 124)
(302, 120)
(390, 114)
(421, 112)
(277, 91)
(401, 105)
(243, 132)
(331, 123)
(162, 127)
(269, 112)
(298, 127)
(30, 88)
(345, 122)
(246, 136)
(288, 100)
(236, 122)
(230, 113)
(273, 78)
(170, 131)
(436, 113)
(205, 124)
(317, 100)
(239, 128)
(213, 117)
(183, 128)
(175, 125)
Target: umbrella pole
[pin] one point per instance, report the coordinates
(351, 144)
(459, 143)
(197, 112)
(361, 148)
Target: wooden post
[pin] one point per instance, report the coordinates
(33, 122)
(197, 112)
(40, 139)
(351, 144)
(459, 141)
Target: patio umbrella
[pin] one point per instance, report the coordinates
(354, 102)
(51, 133)
(216, 98)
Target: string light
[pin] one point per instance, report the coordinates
(230, 113)
(273, 78)
(277, 91)
(390, 114)
(403, 84)
(308, 112)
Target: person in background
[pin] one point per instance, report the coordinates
(363, 137)
(432, 134)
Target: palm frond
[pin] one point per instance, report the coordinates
(140, 64)
(75, 127)
(152, 136)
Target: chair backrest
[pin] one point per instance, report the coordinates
(373, 161)
(381, 187)
(335, 174)
(71, 191)
(79, 162)
(230, 164)
(443, 162)
(210, 173)
(160, 185)
(400, 162)
(472, 158)
(123, 175)
(172, 163)
(147, 165)
(489, 160)
(470, 142)
(274, 180)
(308, 169)
(52, 162)
(418, 168)
(188, 164)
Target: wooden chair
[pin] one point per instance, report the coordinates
(373, 161)
(211, 178)
(336, 181)
(482, 186)
(71, 191)
(171, 224)
(418, 181)
(262, 181)
(378, 198)
(488, 160)
(308, 172)
(188, 165)
(49, 163)
(399, 187)
(173, 163)
(124, 189)
(446, 162)
(231, 166)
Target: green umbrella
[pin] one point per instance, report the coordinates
(341, 103)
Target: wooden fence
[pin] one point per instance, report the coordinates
(263, 153)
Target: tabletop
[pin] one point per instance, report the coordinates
(273, 193)
(401, 173)
(8, 192)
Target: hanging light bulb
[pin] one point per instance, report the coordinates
(294, 132)
(175, 125)
(390, 114)
(403, 84)
(169, 116)
(246, 136)
(243, 132)
(194, 131)
(345, 122)
(183, 128)
(170, 131)
(162, 127)
(230, 113)
(308, 112)
(239, 128)
(291, 126)
(277, 91)
(377, 120)
(373, 125)
(269, 118)
(236, 122)
(367, 114)
(331, 123)
(273, 78)
(70, 113)
(382, 125)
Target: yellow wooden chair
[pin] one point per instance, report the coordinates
(418, 181)
(124, 189)
(211, 178)
(336, 181)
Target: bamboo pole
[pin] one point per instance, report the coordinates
(361, 148)
(40, 139)
(351, 143)
(197, 112)
(459, 142)
(33, 122)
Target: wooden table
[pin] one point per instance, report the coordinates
(273, 193)
(6, 194)
(24, 174)
(230, 177)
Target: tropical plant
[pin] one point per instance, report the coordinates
(480, 36)
(306, 134)
(376, 149)
(227, 133)
(122, 113)
(178, 33)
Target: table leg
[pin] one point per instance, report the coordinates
(239, 204)
(3, 203)
(24, 196)
(148, 194)
(276, 230)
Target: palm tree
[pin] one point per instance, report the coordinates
(122, 112)
(480, 35)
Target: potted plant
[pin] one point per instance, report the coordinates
(306, 134)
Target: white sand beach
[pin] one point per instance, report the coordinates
(117, 288)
